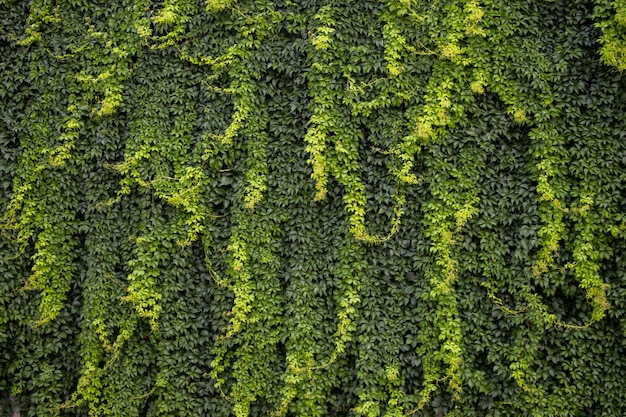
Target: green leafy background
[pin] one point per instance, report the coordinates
(312, 208)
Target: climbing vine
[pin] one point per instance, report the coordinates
(375, 208)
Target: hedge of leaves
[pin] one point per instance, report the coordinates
(313, 208)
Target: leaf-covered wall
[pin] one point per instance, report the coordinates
(312, 208)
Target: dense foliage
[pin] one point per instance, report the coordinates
(313, 208)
